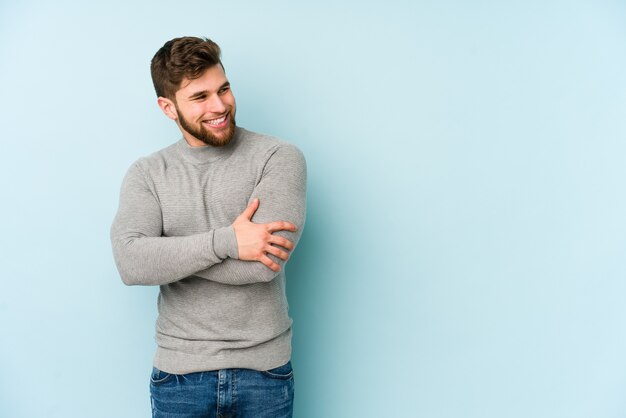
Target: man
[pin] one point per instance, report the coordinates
(212, 219)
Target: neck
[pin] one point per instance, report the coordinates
(199, 152)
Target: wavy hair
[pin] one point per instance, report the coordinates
(180, 58)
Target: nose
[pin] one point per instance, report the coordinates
(215, 104)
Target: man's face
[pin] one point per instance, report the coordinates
(205, 109)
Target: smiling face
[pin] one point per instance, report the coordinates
(203, 108)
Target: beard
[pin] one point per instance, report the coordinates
(204, 135)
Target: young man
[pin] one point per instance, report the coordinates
(212, 219)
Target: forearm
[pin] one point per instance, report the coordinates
(239, 272)
(145, 260)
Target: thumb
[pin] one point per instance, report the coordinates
(252, 207)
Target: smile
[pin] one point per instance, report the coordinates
(218, 122)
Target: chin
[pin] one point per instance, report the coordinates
(219, 141)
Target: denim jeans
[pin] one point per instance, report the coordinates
(228, 393)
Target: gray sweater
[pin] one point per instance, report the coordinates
(173, 229)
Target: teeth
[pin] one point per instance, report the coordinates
(216, 121)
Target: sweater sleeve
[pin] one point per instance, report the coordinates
(142, 255)
(282, 197)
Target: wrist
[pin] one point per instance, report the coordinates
(225, 243)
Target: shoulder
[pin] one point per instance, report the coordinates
(156, 161)
(269, 147)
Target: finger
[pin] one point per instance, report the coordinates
(277, 252)
(281, 226)
(252, 207)
(269, 263)
(283, 242)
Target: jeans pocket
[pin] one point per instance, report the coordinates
(158, 377)
(283, 372)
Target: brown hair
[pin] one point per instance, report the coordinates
(186, 57)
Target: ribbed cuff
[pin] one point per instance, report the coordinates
(225, 243)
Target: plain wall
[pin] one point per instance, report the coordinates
(465, 243)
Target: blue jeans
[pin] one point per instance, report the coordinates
(228, 393)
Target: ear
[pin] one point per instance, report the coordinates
(167, 106)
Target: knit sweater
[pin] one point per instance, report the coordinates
(174, 229)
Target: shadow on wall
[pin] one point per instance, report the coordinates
(306, 286)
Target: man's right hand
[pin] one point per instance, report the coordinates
(254, 241)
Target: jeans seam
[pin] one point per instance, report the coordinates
(279, 376)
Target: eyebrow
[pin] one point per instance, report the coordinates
(200, 93)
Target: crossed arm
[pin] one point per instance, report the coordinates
(253, 249)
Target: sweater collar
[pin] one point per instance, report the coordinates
(207, 153)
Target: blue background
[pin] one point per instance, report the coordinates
(464, 248)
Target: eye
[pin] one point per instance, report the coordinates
(201, 97)
(224, 90)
